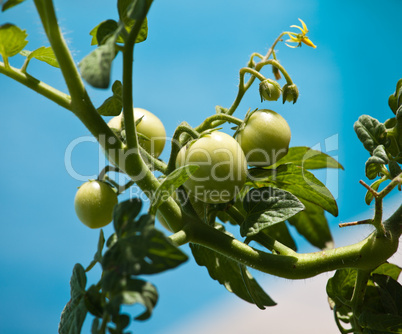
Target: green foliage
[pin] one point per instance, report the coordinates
(95, 68)
(136, 248)
(298, 181)
(267, 206)
(376, 162)
(12, 40)
(234, 276)
(313, 225)
(308, 159)
(75, 311)
(380, 309)
(370, 132)
(170, 184)
(10, 3)
(44, 54)
(113, 105)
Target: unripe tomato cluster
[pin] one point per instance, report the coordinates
(260, 141)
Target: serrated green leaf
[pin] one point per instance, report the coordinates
(394, 168)
(370, 132)
(113, 105)
(300, 182)
(388, 269)
(234, 278)
(308, 159)
(96, 67)
(12, 40)
(94, 301)
(267, 206)
(376, 162)
(170, 184)
(137, 291)
(75, 311)
(394, 100)
(104, 30)
(98, 254)
(140, 249)
(384, 323)
(44, 54)
(340, 287)
(375, 185)
(132, 10)
(10, 3)
(125, 213)
(391, 293)
(313, 225)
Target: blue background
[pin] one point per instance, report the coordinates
(188, 65)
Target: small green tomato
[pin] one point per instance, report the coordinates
(265, 138)
(222, 171)
(150, 127)
(94, 203)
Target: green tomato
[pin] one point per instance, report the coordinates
(264, 138)
(150, 127)
(94, 203)
(223, 168)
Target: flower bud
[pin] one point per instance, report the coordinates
(270, 90)
(290, 93)
(276, 72)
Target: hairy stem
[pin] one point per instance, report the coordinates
(36, 85)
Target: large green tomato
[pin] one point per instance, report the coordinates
(223, 168)
(265, 138)
(94, 203)
(150, 127)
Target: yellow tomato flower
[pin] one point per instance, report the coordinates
(299, 38)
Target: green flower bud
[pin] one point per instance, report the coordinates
(290, 93)
(270, 90)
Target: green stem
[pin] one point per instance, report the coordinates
(36, 85)
(177, 144)
(80, 104)
(280, 67)
(369, 253)
(251, 71)
(208, 123)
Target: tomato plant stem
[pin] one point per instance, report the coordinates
(38, 86)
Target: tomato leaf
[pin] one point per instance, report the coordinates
(389, 269)
(170, 184)
(380, 323)
(395, 99)
(370, 132)
(340, 287)
(44, 54)
(234, 277)
(375, 185)
(313, 225)
(132, 10)
(267, 206)
(300, 182)
(95, 67)
(10, 3)
(12, 40)
(75, 311)
(376, 162)
(124, 214)
(98, 254)
(137, 291)
(308, 159)
(113, 105)
(140, 248)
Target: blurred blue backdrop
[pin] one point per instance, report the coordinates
(188, 65)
